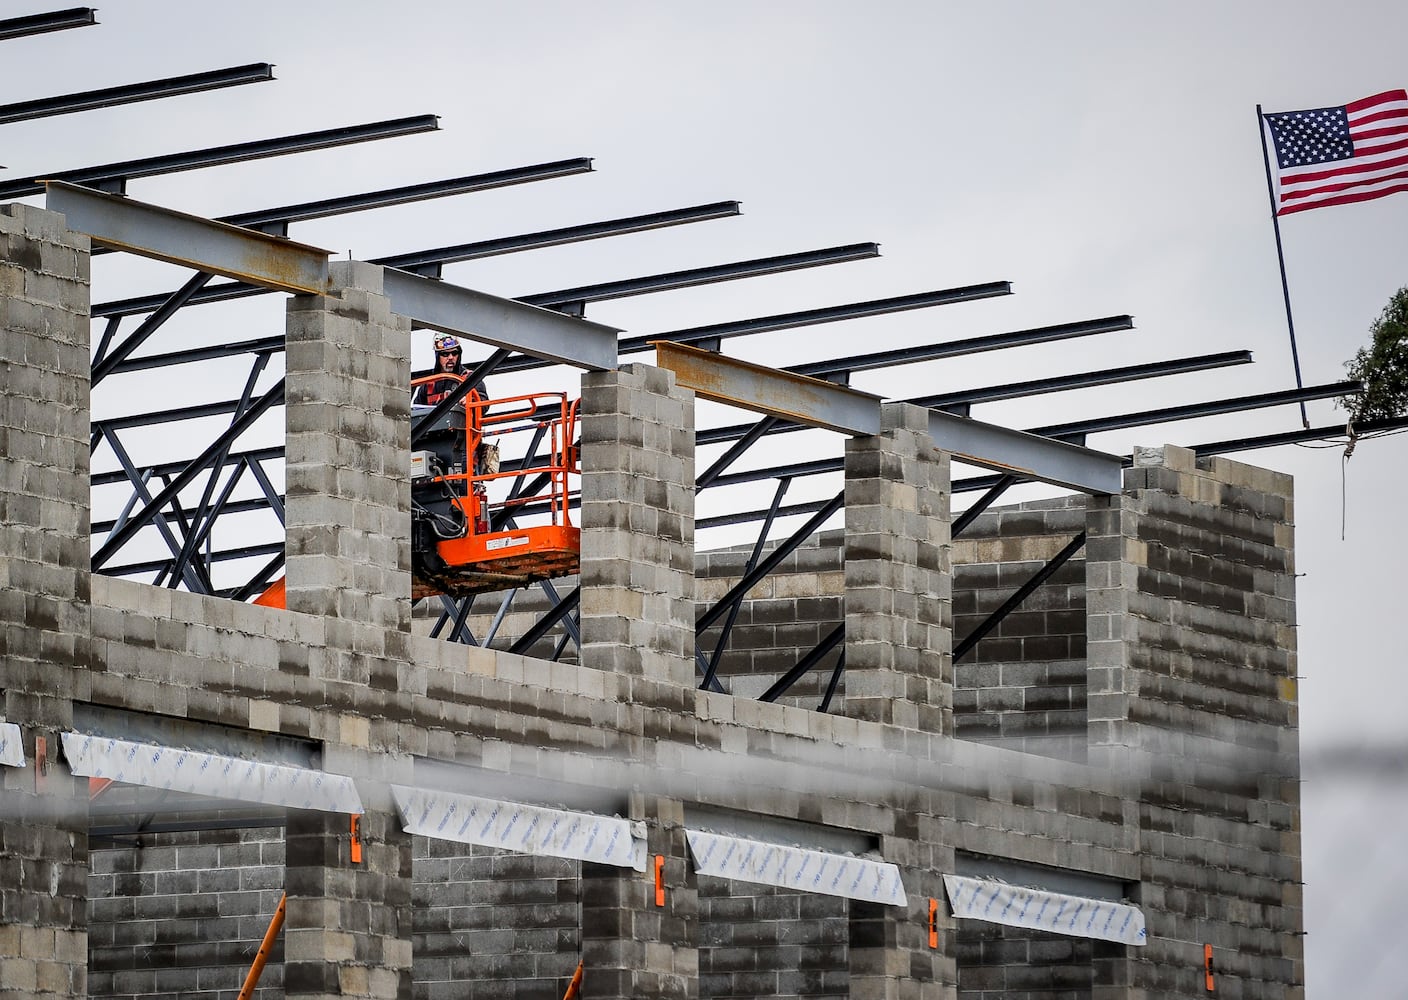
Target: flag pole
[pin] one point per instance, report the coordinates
(1281, 261)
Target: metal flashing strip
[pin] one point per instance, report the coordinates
(770, 391)
(1002, 449)
(1039, 909)
(189, 240)
(519, 827)
(11, 745)
(501, 322)
(727, 856)
(210, 774)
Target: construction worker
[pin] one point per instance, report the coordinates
(447, 362)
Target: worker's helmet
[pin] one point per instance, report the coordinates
(445, 343)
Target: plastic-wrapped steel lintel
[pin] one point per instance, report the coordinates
(831, 874)
(11, 745)
(519, 827)
(201, 773)
(1038, 909)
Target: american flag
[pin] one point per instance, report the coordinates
(1335, 156)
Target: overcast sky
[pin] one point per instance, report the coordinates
(1102, 156)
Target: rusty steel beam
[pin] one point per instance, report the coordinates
(189, 240)
(770, 391)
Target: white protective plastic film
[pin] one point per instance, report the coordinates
(1016, 906)
(727, 856)
(11, 745)
(210, 774)
(518, 827)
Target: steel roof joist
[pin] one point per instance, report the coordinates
(190, 241)
(423, 259)
(501, 322)
(411, 193)
(770, 391)
(827, 314)
(1080, 428)
(57, 20)
(1086, 380)
(132, 93)
(557, 237)
(215, 156)
(966, 346)
(703, 275)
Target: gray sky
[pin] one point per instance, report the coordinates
(1102, 156)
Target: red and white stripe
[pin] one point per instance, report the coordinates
(1378, 127)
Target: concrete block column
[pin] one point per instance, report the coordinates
(899, 586)
(637, 519)
(347, 931)
(45, 652)
(631, 946)
(348, 479)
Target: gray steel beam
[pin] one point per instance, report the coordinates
(191, 241)
(501, 322)
(1028, 455)
(770, 391)
(170, 163)
(58, 20)
(131, 93)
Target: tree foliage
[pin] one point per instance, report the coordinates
(1383, 365)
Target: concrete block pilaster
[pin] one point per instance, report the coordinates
(635, 944)
(347, 931)
(899, 598)
(348, 482)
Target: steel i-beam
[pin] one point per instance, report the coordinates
(134, 92)
(190, 240)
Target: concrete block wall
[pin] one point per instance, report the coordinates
(899, 599)
(492, 925)
(184, 913)
(1205, 849)
(44, 598)
(1023, 685)
(761, 941)
(1008, 963)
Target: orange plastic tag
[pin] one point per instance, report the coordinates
(356, 841)
(659, 880)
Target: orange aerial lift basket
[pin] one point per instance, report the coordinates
(465, 511)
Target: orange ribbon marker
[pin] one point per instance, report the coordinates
(1207, 967)
(659, 880)
(933, 922)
